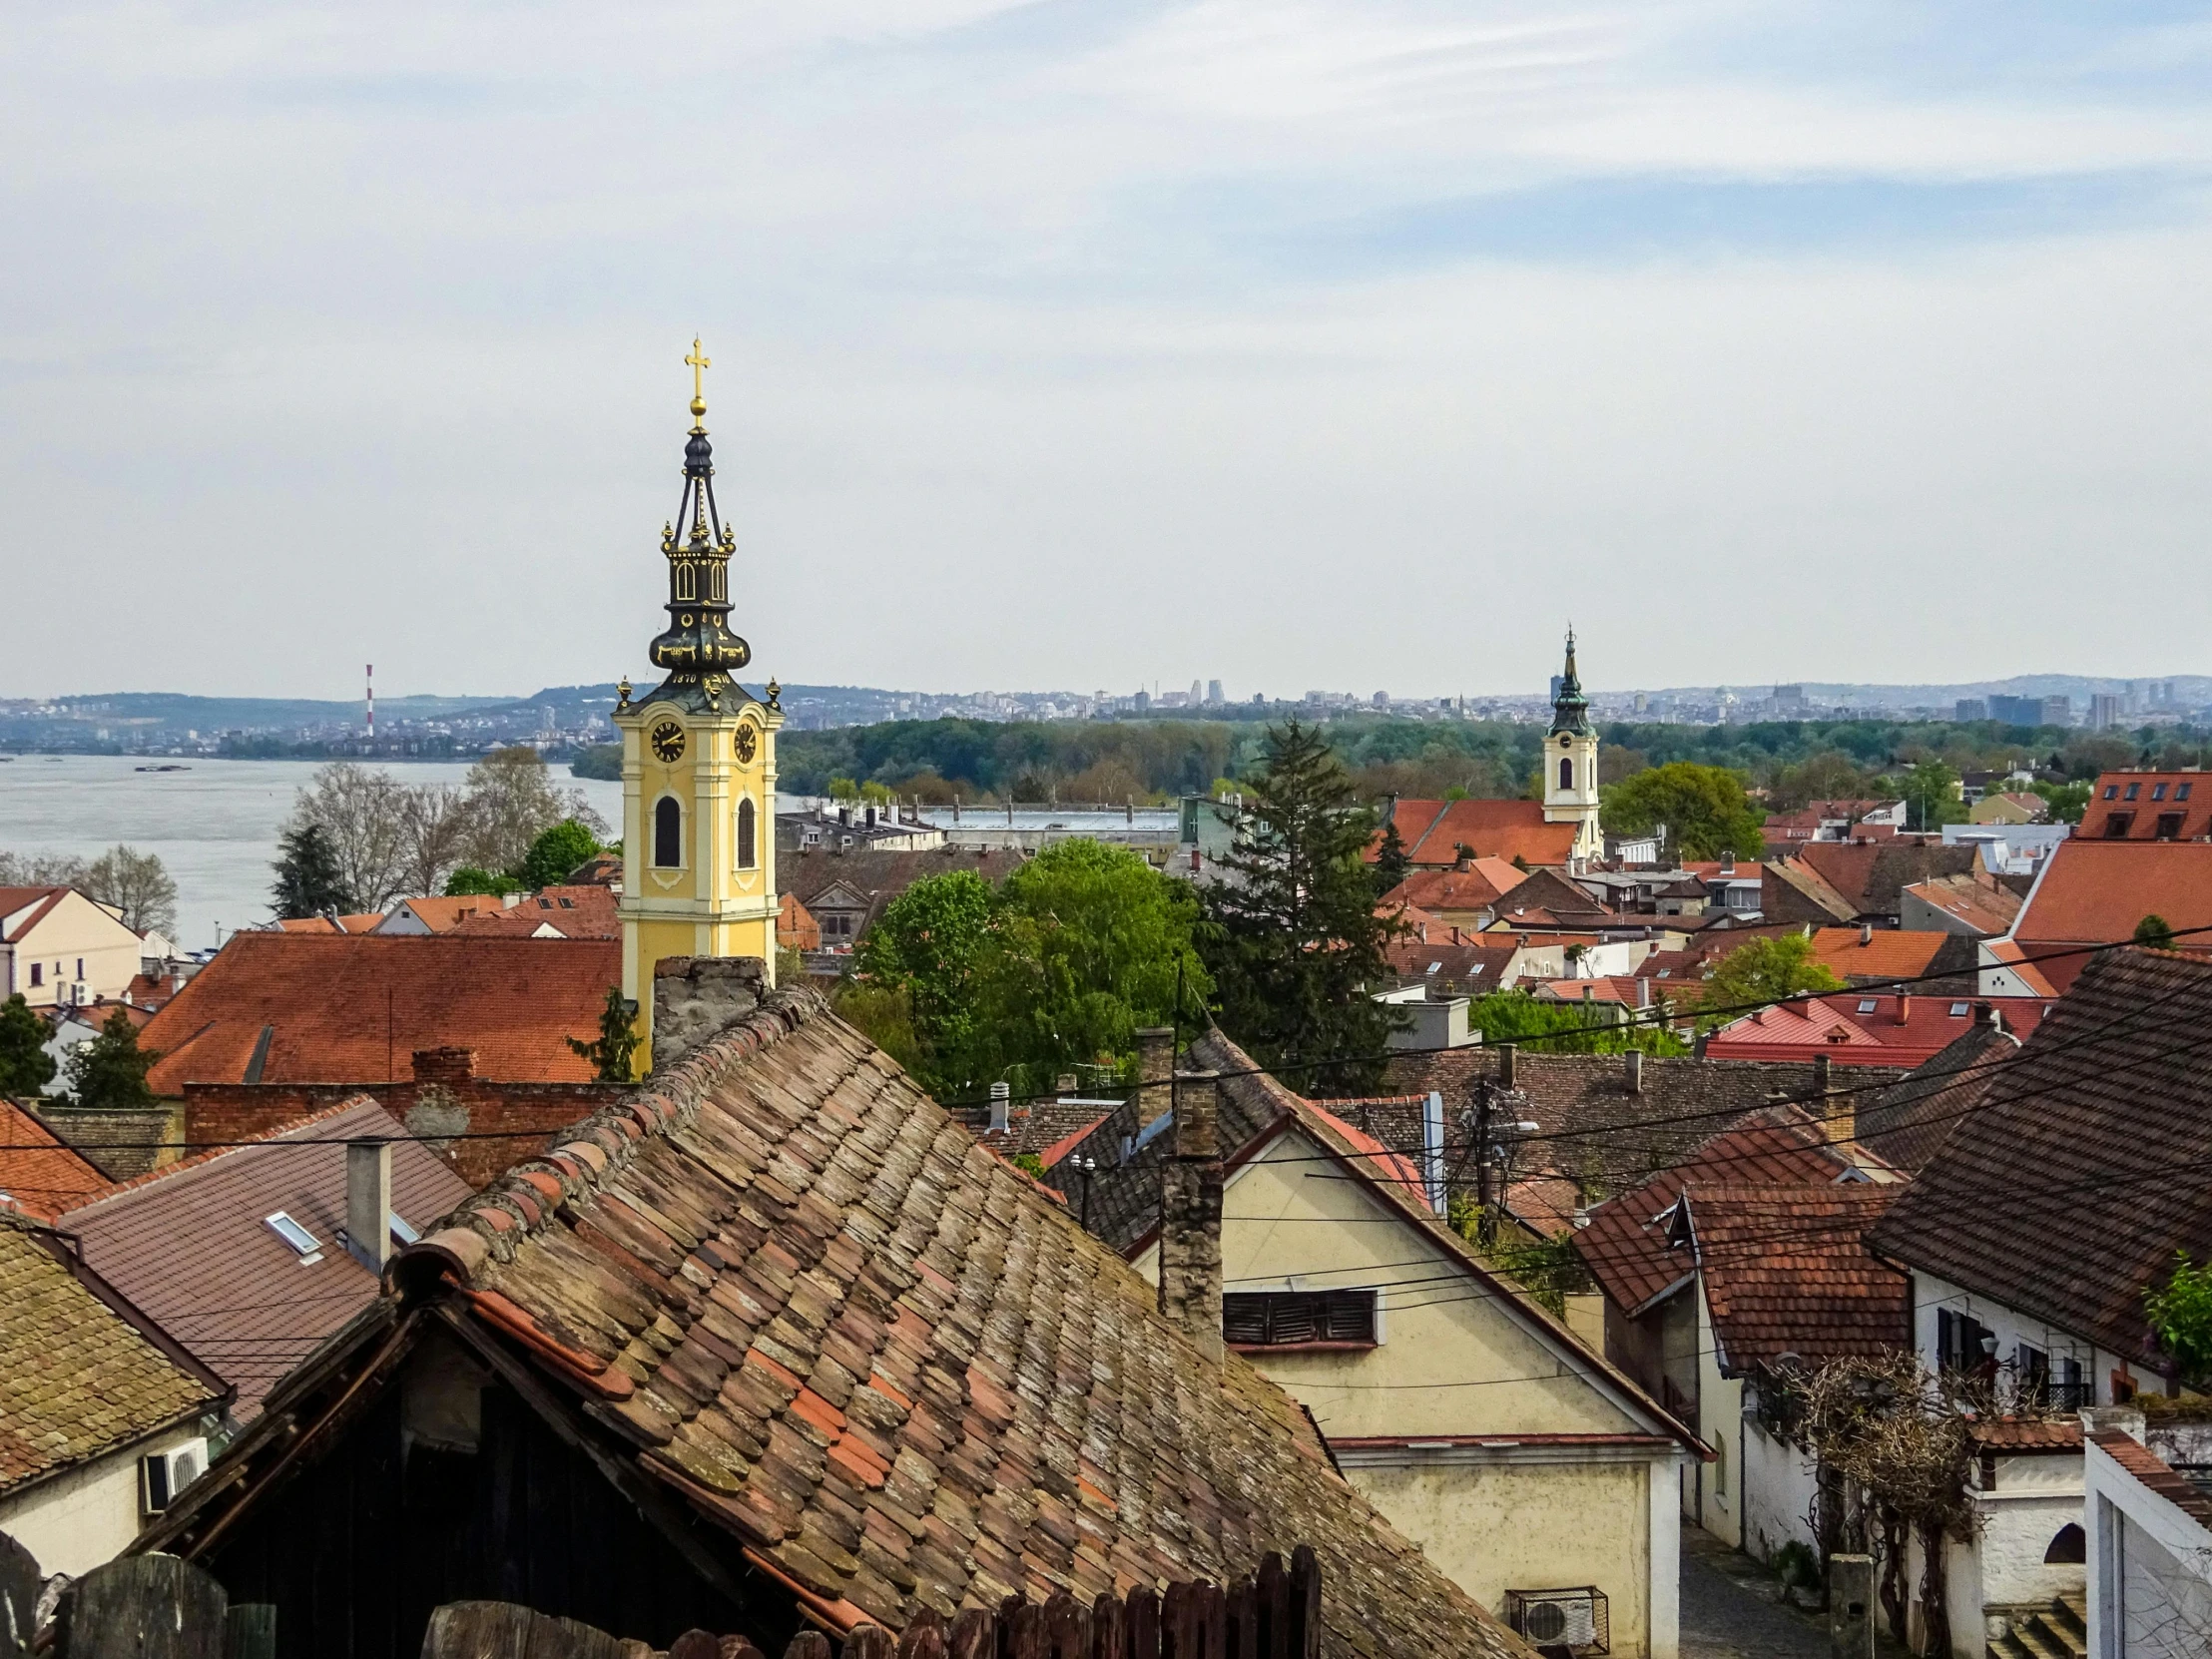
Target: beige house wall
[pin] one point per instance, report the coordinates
(1456, 1359)
(76, 1521)
(75, 930)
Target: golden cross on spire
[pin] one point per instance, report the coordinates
(700, 363)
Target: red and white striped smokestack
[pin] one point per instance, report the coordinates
(371, 671)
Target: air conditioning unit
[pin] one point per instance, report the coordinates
(165, 1474)
(1573, 1621)
(80, 993)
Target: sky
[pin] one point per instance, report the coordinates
(1082, 344)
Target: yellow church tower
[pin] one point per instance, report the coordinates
(698, 762)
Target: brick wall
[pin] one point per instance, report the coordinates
(479, 1126)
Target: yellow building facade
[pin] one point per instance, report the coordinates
(698, 762)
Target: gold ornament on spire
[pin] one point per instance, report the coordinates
(700, 363)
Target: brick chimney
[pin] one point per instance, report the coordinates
(368, 1203)
(1504, 1065)
(1633, 1063)
(1905, 1010)
(1190, 1213)
(1155, 1067)
(698, 997)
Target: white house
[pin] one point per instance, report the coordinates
(58, 947)
(2149, 1504)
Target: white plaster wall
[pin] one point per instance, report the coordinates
(78, 1520)
(1780, 1483)
(1932, 1295)
(2150, 1569)
(1720, 1404)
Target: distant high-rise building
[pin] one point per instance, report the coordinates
(2105, 709)
(1196, 694)
(2016, 711)
(1970, 709)
(1213, 692)
(2057, 711)
(1382, 700)
(1789, 697)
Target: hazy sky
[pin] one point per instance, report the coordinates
(1294, 343)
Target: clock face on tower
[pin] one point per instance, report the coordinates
(748, 744)
(668, 741)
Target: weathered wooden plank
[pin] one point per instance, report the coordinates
(867, 1641)
(1140, 1621)
(923, 1637)
(146, 1607)
(974, 1635)
(1244, 1620)
(19, 1584)
(1025, 1637)
(696, 1644)
(250, 1631)
(1305, 1603)
(1272, 1592)
(1109, 1627)
(589, 1641)
(807, 1644)
(739, 1647)
(1067, 1627)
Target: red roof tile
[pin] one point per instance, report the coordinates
(2156, 1473)
(1860, 1028)
(2129, 805)
(580, 912)
(1477, 887)
(39, 1174)
(1786, 1272)
(1433, 831)
(1876, 953)
(2096, 891)
(325, 1009)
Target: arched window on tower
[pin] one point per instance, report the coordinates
(668, 833)
(746, 835)
(1566, 772)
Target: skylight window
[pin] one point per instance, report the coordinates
(400, 1229)
(2134, 789)
(309, 1249)
(1958, 1010)
(1867, 1005)
(2158, 792)
(2181, 791)
(1435, 966)
(2111, 792)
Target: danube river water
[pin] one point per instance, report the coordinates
(213, 825)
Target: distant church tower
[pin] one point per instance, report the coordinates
(698, 762)
(1570, 764)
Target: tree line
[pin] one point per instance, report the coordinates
(134, 884)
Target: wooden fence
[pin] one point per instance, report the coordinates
(161, 1607)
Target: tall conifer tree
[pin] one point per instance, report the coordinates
(1292, 936)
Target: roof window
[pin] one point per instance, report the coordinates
(1867, 1005)
(309, 1249)
(2181, 791)
(2111, 792)
(2134, 789)
(2158, 792)
(1958, 1010)
(1435, 966)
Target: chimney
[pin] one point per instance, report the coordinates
(1504, 1065)
(1634, 1062)
(1001, 1108)
(1190, 1215)
(1643, 993)
(368, 1203)
(1728, 864)
(697, 998)
(1696, 1046)
(449, 1067)
(1905, 1010)
(1155, 1065)
(1988, 1013)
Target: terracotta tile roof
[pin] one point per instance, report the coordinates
(1477, 887)
(2026, 1434)
(2010, 953)
(1881, 953)
(1857, 1028)
(1470, 967)
(1612, 987)
(2098, 1117)
(78, 1379)
(1630, 1246)
(1785, 1271)
(1797, 891)
(582, 912)
(2095, 891)
(189, 1245)
(1868, 877)
(2156, 1474)
(1908, 1122)
(1986, 906)
(795, 927)
(902, 1378)
(2140, 799)
(1432, 832)
(354, 1010)
(365, 923)
(39, 1174)
(441, 913)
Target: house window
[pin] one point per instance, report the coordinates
(2123, 1388)
(1720, 1467)
(2169, 826)
(1567, 773)
(1296, 1319)
(668, 833)
(1959, 1340)
(80, 967)
(2069, 1547)
(1867, 1005)
(746, 835)
(2116, 825)
(1958, 1010)
(38, 974)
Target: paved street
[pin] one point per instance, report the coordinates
(1728, 1611)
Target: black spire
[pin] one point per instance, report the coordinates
(1570, 710)
(697, 650)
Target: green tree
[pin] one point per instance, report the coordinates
(1090, 943)
(614, 1052)
(885, 1015)
(25, 1066)
(1393, 864)
(471, 879)
(1766, 970)
(1550, 1027)
(1703, 808)
(2067, 801)
(928, 946)
(2180, 1315)
(555, 854)
(2156, 931)
(308, 882)
(1291, 933)
(1932, 797)
(109, 1072)
(137, 886)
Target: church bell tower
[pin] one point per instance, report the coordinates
(698, 761)
(1570, 764)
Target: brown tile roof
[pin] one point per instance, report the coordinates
(189, 1245)
(2156, 1473)
(901, 1376)
(1630, 1246)
(77, 1378)
(1786, 1272)
(2094, 892)
(2141, 798)
(353, 1010)
(39, 1174)
(1908, 1122)
(1466, 968)
(1433, 831)
(2026, 1434)
(1477, 887)
(441, 913)
(1986, 906)
(1870, 876)
(1853, 953)
(2099, 1120)
(880, 878)
(580, 912)
(1548, 899)
(365, 923)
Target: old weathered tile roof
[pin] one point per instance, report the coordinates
(1786, 1272)
(1631, 1244)
(1988, 907)
(299, 1009)
(2095, 892)
(2028, 1434)
(2105, 1119)
(1871, 876)
(39, 1171)
(1466, 969)
(1794, 892)
(77, 1378)
(1595, 1127)
(1434, 830)
(191, 1246)
(896, 1372)
(441, 913)
(579, 912)
(1908, 1120)
(1477, 887)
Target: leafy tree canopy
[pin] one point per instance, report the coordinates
(470, 879)
(308, 880)
(1932, 797)
(25, 1066)
(1704, 810)
(2157, 932)
(2180, 1313)
(136, 885)
(1565, 1027)
(109, 1072)
(556, 852)
(1765, 970)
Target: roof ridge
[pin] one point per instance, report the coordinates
(492, 1224)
